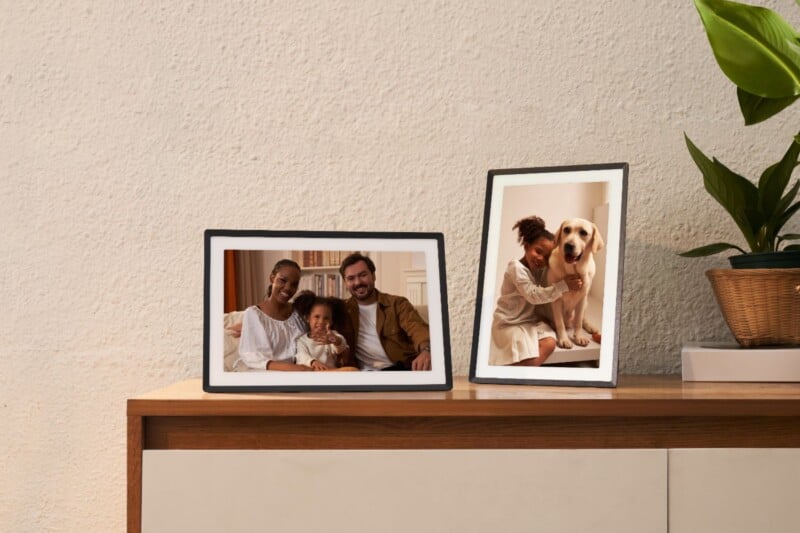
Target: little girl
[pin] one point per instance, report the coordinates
(322, 348)
(519, 336)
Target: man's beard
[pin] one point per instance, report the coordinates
(365, 296)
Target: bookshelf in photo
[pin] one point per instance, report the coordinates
(321, 271)
(247, 274)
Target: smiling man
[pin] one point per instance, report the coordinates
(389, 333)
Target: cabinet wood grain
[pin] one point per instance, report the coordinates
(641, 412)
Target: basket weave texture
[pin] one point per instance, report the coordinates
(760, 305)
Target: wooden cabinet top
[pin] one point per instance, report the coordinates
(635, 396)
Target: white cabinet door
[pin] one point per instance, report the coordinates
(459, 491)
(734, 490)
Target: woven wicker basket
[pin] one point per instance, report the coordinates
(760, 305)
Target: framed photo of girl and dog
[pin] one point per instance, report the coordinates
(323, 310)
(550, 279)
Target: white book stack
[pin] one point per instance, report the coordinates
(715, 361)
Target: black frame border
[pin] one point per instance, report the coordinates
(482, 268)
(209, 234)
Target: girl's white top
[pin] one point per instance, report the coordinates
(308, 350)
(521, 291)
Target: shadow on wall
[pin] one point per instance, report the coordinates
(667, 302)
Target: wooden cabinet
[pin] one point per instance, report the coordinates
(577, 458)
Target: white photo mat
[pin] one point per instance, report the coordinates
(429, 245)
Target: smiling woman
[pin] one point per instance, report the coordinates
(270, 329)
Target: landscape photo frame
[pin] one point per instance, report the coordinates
(238, 267)
(565, 198)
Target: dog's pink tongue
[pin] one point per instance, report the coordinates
(570, 258)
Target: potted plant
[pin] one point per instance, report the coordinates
(760, 53)
(760, 211)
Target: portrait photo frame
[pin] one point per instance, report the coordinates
(514, 310)
(409, 269)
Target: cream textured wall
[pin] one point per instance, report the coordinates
(127, 128)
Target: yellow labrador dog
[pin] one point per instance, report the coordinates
(576, 242)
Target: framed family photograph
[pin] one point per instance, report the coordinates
(550, 279)
(325, 311)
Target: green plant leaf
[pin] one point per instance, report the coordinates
(770, 169)
(786, 216)
(765, 240)
(756, 109)
(754, 46)
(750, 216)
(774, 181)
(710, 249)
(779, 216)
(732, 191)
(787, 199)
(787, 237)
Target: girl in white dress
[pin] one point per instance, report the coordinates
(270, 329)
(519, 335)
(322, 348)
